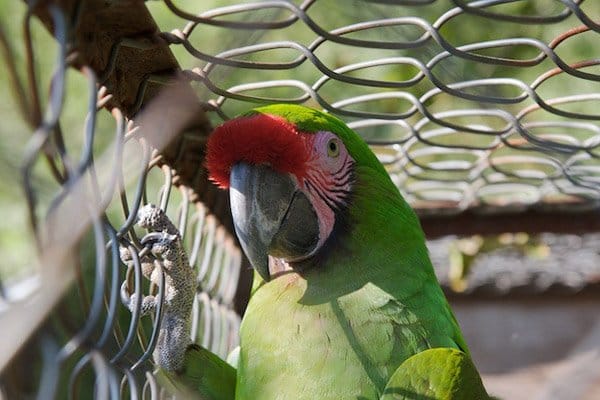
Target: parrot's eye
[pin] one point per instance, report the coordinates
(333, 150)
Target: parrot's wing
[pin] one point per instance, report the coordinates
(436, 374)
(204, 376)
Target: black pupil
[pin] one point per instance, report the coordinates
(332, 146)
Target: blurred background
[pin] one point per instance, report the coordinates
(484, 113)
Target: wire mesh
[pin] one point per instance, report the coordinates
(86, 343)
(505, 121)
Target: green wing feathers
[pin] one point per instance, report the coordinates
(436, 374)
(204, 376)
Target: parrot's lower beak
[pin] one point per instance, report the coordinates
(271, 216)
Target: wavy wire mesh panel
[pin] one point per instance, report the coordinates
(83, 318)
(488, 105)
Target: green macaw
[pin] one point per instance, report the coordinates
(345, 303)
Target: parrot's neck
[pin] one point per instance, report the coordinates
(379, 241)
(390, 261)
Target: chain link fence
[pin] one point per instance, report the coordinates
(497, 119)
(67, 320)
(507, 120)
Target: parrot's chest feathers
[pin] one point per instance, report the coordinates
(347, 345)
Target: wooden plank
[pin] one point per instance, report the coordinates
(472, 223)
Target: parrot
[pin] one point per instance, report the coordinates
(345, 303)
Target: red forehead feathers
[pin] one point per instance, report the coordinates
(257, 139)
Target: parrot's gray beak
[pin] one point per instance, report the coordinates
(271, 216)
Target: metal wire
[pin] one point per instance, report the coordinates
(109, 354)
(451, 141)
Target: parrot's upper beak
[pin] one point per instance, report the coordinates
(271, 216)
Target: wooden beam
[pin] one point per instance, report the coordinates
(531, 221)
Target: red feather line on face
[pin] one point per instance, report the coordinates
(257, 139)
